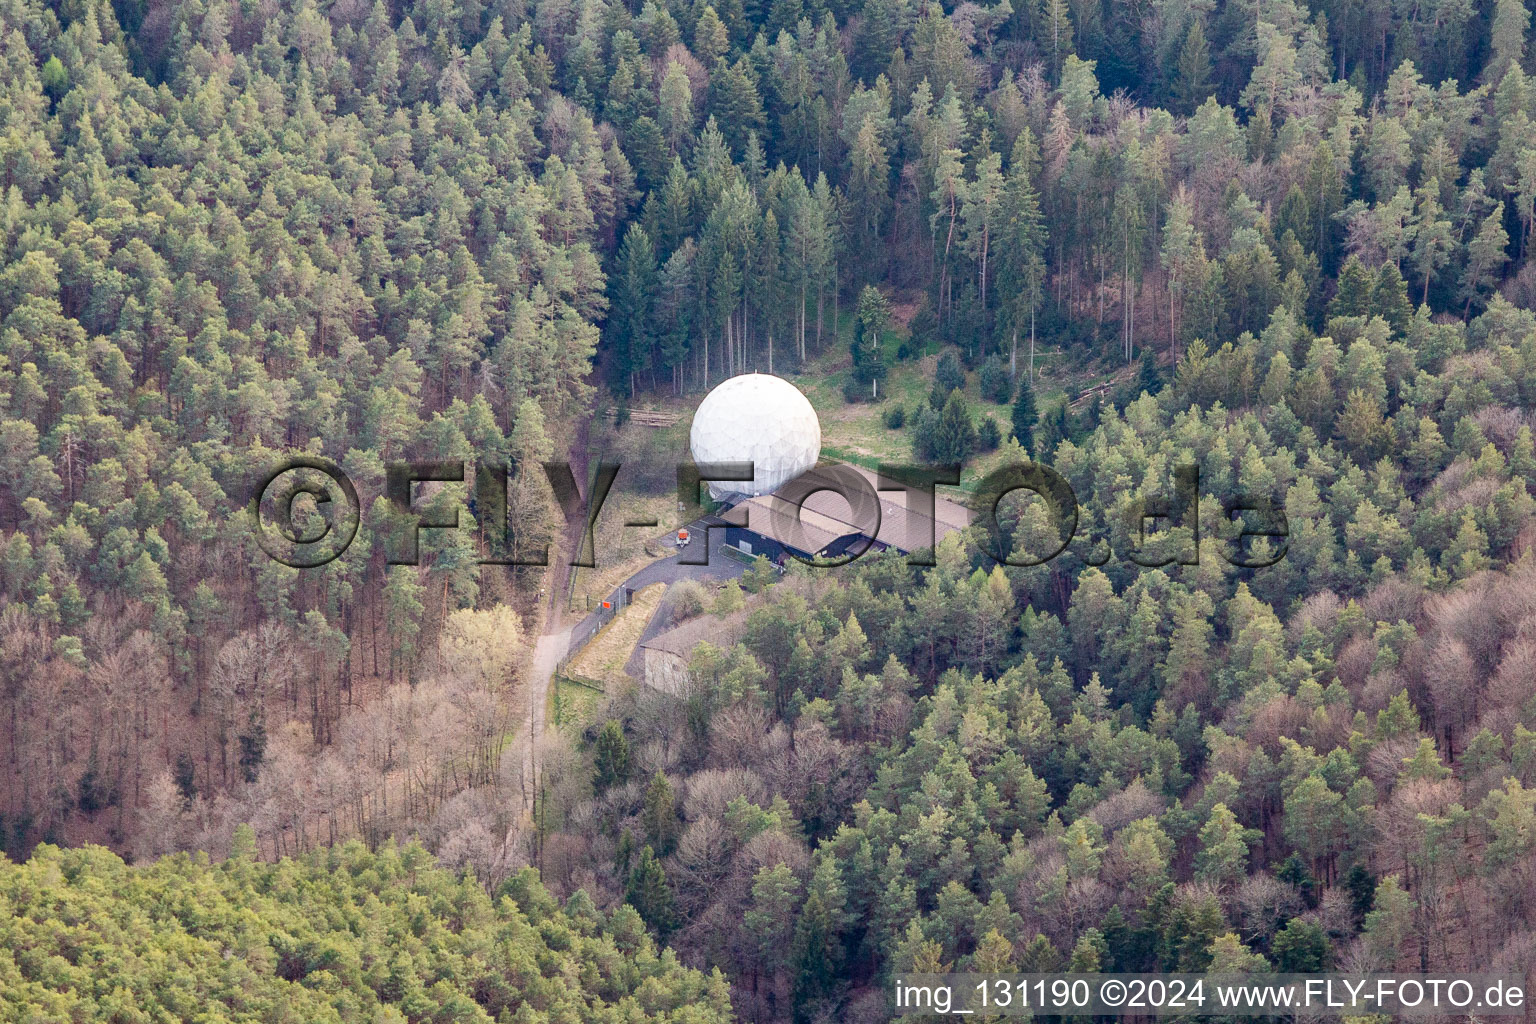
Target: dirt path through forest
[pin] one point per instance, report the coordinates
(547, 652)
(551, 646)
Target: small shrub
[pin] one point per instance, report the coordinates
(988, 435)
(684, 601)
(894, 417)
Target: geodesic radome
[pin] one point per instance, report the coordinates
(761, 419)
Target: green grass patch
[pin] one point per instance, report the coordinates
(573, 703)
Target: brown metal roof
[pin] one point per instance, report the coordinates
(826, 515)
(808, 530)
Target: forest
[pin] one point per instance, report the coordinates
(1284, 240)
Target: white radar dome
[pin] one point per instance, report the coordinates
(761, 419)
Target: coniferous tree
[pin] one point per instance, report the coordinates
(1511, 21)
(1054, 36)
(1487, 252)
(1433, 241)
(1021, 272)
(1025, 414)
(632, 312)
(611, 757)
(1389, 298)
(1192, 75)
(648, 892)
(869, 362)
(660, 814)
(1355, 289)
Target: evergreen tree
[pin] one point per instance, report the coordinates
(947, 376)
(632, 311)
(1182, 253)
(1511, 21)
(1192, 75)
(611, 756)
(869, 362)
(711, 40)
(675, 111)
(1149, 379)
(1053, 429)
(1054, 37)
(1025, 415)
(1356, 286)
(819, 953)
(1389, 298)
(868, 192)
(734, 102)
(1301, 948)
(947, 435)
(648, 892)
(1021, 270)
(1486, 254)
(1433, 241)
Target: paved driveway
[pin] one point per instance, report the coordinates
(669, 570)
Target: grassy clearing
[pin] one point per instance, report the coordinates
(572, 704)
(621, 551)
(601, 662)
(854, 433)
(857, 433)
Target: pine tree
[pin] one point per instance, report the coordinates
(1275, 77)
(770, 918)
(1486, 255)
(1025, 415)
(1355, 286)
(983, 213)
(1055, 34)
(1511, 21)
(611, 756)
(660, 815)
(1389, 298)
(869, 363)
(948, 195)
(631, 317)
(647, 891)
(1192, 76)
(1182, 251)
(1432, 238)
(1223, 855)
(1021, 270)
(818, 952)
